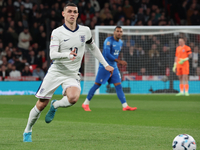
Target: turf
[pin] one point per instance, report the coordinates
(153, 126)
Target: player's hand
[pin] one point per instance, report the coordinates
(72, 55)
(110, 69)
(122, 62)
(174, 69)
(181, 61)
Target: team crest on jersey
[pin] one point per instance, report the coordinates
(51, 38)
(183, 50)
(108, 43)
(82, 38)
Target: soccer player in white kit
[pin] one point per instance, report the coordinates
(67, 48)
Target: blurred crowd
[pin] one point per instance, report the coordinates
(154, 54)
(26, 25)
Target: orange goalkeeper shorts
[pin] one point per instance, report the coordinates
(182, 69)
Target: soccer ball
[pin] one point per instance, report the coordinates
(184, 142)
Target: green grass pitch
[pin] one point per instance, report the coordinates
(153, 126)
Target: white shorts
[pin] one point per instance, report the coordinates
(52, 81)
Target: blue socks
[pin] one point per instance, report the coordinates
(92, 91)
(118, 89)
(120, 93)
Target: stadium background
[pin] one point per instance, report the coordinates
(40, 17)
(153, 126)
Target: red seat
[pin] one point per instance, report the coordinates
(32, 67)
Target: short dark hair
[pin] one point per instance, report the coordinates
(182, 38)
(70, 4)
(118, 27)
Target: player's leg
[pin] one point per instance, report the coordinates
(122, 98)
(116, 80)
(91, 92)
(179, 73)
(186, 85)
(67, 99)
(101, 78)
(185, 78)
(33, 117)
(181, 86)
(93, 89)
(70, 97)
(71, 92)
(64, 102)
(44, 93)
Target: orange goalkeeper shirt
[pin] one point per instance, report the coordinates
(181, 53)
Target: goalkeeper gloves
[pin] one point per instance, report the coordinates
(183, 60)
(174, 68)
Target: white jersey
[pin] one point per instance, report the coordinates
(67, 41)
(64, 71)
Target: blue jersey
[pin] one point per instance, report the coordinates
(111, 50)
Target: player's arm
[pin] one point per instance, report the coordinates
(97, 53)
(54, 47)
(54, 54)
(189, 52)
(122, 62)
(174, 67)
(110, 56)
(175, 60)
(185, 59)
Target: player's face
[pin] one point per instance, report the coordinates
(181, 42)
(70, 14)
(118, 33)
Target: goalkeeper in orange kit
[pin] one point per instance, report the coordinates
(181, 66)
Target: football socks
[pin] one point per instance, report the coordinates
(181, 88)
(92, 91)
(33, 117)
(124, 105)
(120, 93)
(64, 102)
(86, 102)
(186, 87)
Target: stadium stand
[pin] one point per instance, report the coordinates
(26, 25)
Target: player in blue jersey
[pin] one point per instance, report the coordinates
(111, 49)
